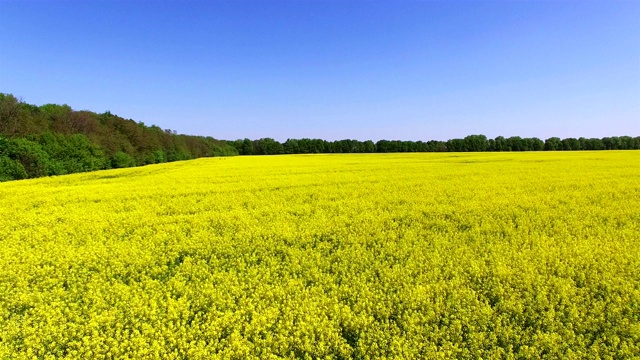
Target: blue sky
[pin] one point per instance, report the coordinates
(333, 70)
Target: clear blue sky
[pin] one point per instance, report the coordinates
(333, 70)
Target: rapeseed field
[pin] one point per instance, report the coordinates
(403, 256)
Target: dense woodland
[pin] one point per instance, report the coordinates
(54, 139)
(270, 146)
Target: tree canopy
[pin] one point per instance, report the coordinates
(471, 143)
(55, 139)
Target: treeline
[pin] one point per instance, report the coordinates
(54, 140)
(268, 146)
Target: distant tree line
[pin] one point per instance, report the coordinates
(54, 140)
(268, 146)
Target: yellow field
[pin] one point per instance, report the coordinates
(492, 255)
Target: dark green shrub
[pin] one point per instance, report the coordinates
(11, 169)
(122, 160)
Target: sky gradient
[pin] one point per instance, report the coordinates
(333, 70)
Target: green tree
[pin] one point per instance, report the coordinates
(74, 153)
(536, 144)
(34, 159)
(11, 169)
(268, 146)
(553, 144)
(570, 144)
(14, 117)
(501, 144)
(476, 143)
(516, 143)
(369, 147)
(291, 146)
(456, 145)
(247, 147)
(122, 160)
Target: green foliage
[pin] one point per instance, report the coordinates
(571, 144)
(217, 150)
(74, 153)
(471, 143)
(536, 144)
(34, 160)
(476, 143)
(11, 169)
(457, 145)
(159, 157)
(369, 146)
(553, 144)
(68, 141)
(267, 146)
(291, 146)
(247, 147)
(58, 140)
(122, 160)
(59, 117)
